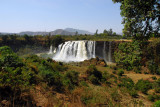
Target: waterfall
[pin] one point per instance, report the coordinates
(75, 51)
(104, 51)
(50, 50)
(54, 51)
(110, 52)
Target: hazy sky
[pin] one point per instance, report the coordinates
(48, 15)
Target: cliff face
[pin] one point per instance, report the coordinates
(105, 50)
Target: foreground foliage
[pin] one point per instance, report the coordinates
(128, 55)
(19, 77)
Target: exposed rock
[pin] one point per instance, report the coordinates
(94, 61)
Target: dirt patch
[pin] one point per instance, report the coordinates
(136, 77)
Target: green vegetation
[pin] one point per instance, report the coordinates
(93, 74)
(29, 80)
(93, 86)
(156, 104)
(128, 55)
(143, 85)
(120, 73)
(139, 18)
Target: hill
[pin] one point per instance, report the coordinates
(79, 31)
(67, 31)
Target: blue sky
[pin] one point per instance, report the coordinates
(48, 15)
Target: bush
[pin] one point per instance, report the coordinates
(120, 73)
(93, 79)
(153, 55)
(154, 78)
(151, 98)
(71, 79)
(153, 67)
(126, 82)
(115, 96)
(156, 104)
(83, 83)
(93, 74)
(92, 97)
(143, 85)
(105, 77)
(156, 86)
(157, 90)
(133, 93)
(8, 58)
(114, 72)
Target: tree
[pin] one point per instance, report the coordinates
(76, 33)
(128, 55)
(48, 40)
(57, 40)
(27, 38)
(105, 31)
(13, 73)
(110, 32)
(141, 18)
(13, 38)
(96, 32)
(4, 39)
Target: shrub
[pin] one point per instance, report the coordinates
(8, 58)
(115, 96)
(33, 58)
(93, 79)
(93, 74)
(156, 104)
(153, 67)
(105, 77)
(114, 72)
(92, 97)
(157, 90)
(143, 85)
(156, 86)
(73, 76)
(83, 83)
(120, 73)
(127, 82)
(151, 98)
(154, 78)
(5, 50)
(115, 67)
(71, 79)
(133, 93)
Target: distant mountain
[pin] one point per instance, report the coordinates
(33, 33)
(67, 31)
(4, 33)
(79, 31)
(61, 32)
(56, 32)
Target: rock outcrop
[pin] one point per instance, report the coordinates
(94, 61)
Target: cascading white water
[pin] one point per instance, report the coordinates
(50, 50)
(104, 51)
(110, 52)
(75, 51)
